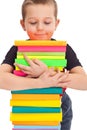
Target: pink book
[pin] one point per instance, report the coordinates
(42, 49)
(19, 73)
(37, 129)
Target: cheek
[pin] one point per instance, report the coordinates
(49, 35)
(30, 31)
(31, 35)
(50, 31)
(29, 28)
(50, 28)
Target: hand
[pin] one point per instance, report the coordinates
(35, 69)
(59, 79)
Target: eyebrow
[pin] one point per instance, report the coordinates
(37, 18)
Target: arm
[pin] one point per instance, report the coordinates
(9, 81)
(77, 75)
(77, 78)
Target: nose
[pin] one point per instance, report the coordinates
(40, 26)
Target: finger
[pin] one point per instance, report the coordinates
(19, 65)
(64, 78)
(46, 73)
(29, 61)
(27, 72)
(29, 76)
(57, 70)
(52, 68)
(52, 72)
(24, 68)
(58, 75)
(38, 62)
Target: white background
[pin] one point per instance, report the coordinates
(72, 27)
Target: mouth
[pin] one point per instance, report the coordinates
(39, 35)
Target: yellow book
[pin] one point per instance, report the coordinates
(42, 53)
(56, 68)
(36, 123)
(36, 97)
(42, 57)
(36, 117)
(39, 43)
(39, 103)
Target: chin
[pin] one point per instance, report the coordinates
(40, 38)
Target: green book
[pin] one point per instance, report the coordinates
(48, 62)
(35, 109)
(50, 90)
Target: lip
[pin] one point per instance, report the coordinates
(40, 35)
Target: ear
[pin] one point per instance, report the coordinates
(22, 24)
(57, 23)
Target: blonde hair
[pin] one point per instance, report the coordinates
(35, 2)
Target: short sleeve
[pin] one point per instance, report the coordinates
(10, 56)
(72, 60)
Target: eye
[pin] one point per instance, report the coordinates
(33, 23)
(47, 22)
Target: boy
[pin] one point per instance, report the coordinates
(40, 21)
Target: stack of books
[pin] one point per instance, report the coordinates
(38, 108)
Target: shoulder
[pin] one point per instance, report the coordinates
(69, 48)
(14, 48)
(10, 56)
(70, 52)
(72, 59)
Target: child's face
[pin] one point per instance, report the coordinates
(40, 22)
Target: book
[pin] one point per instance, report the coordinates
(36, 97)
(36, 117)
(36, 123)
(36, 127)
(22, 109)
(50, 90)
(39, 43)
(42, 48)
(42, 57)
(36, 103)
(48, 62)
(42, 53)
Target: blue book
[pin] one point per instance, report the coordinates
(22, 109)
(50, 90)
